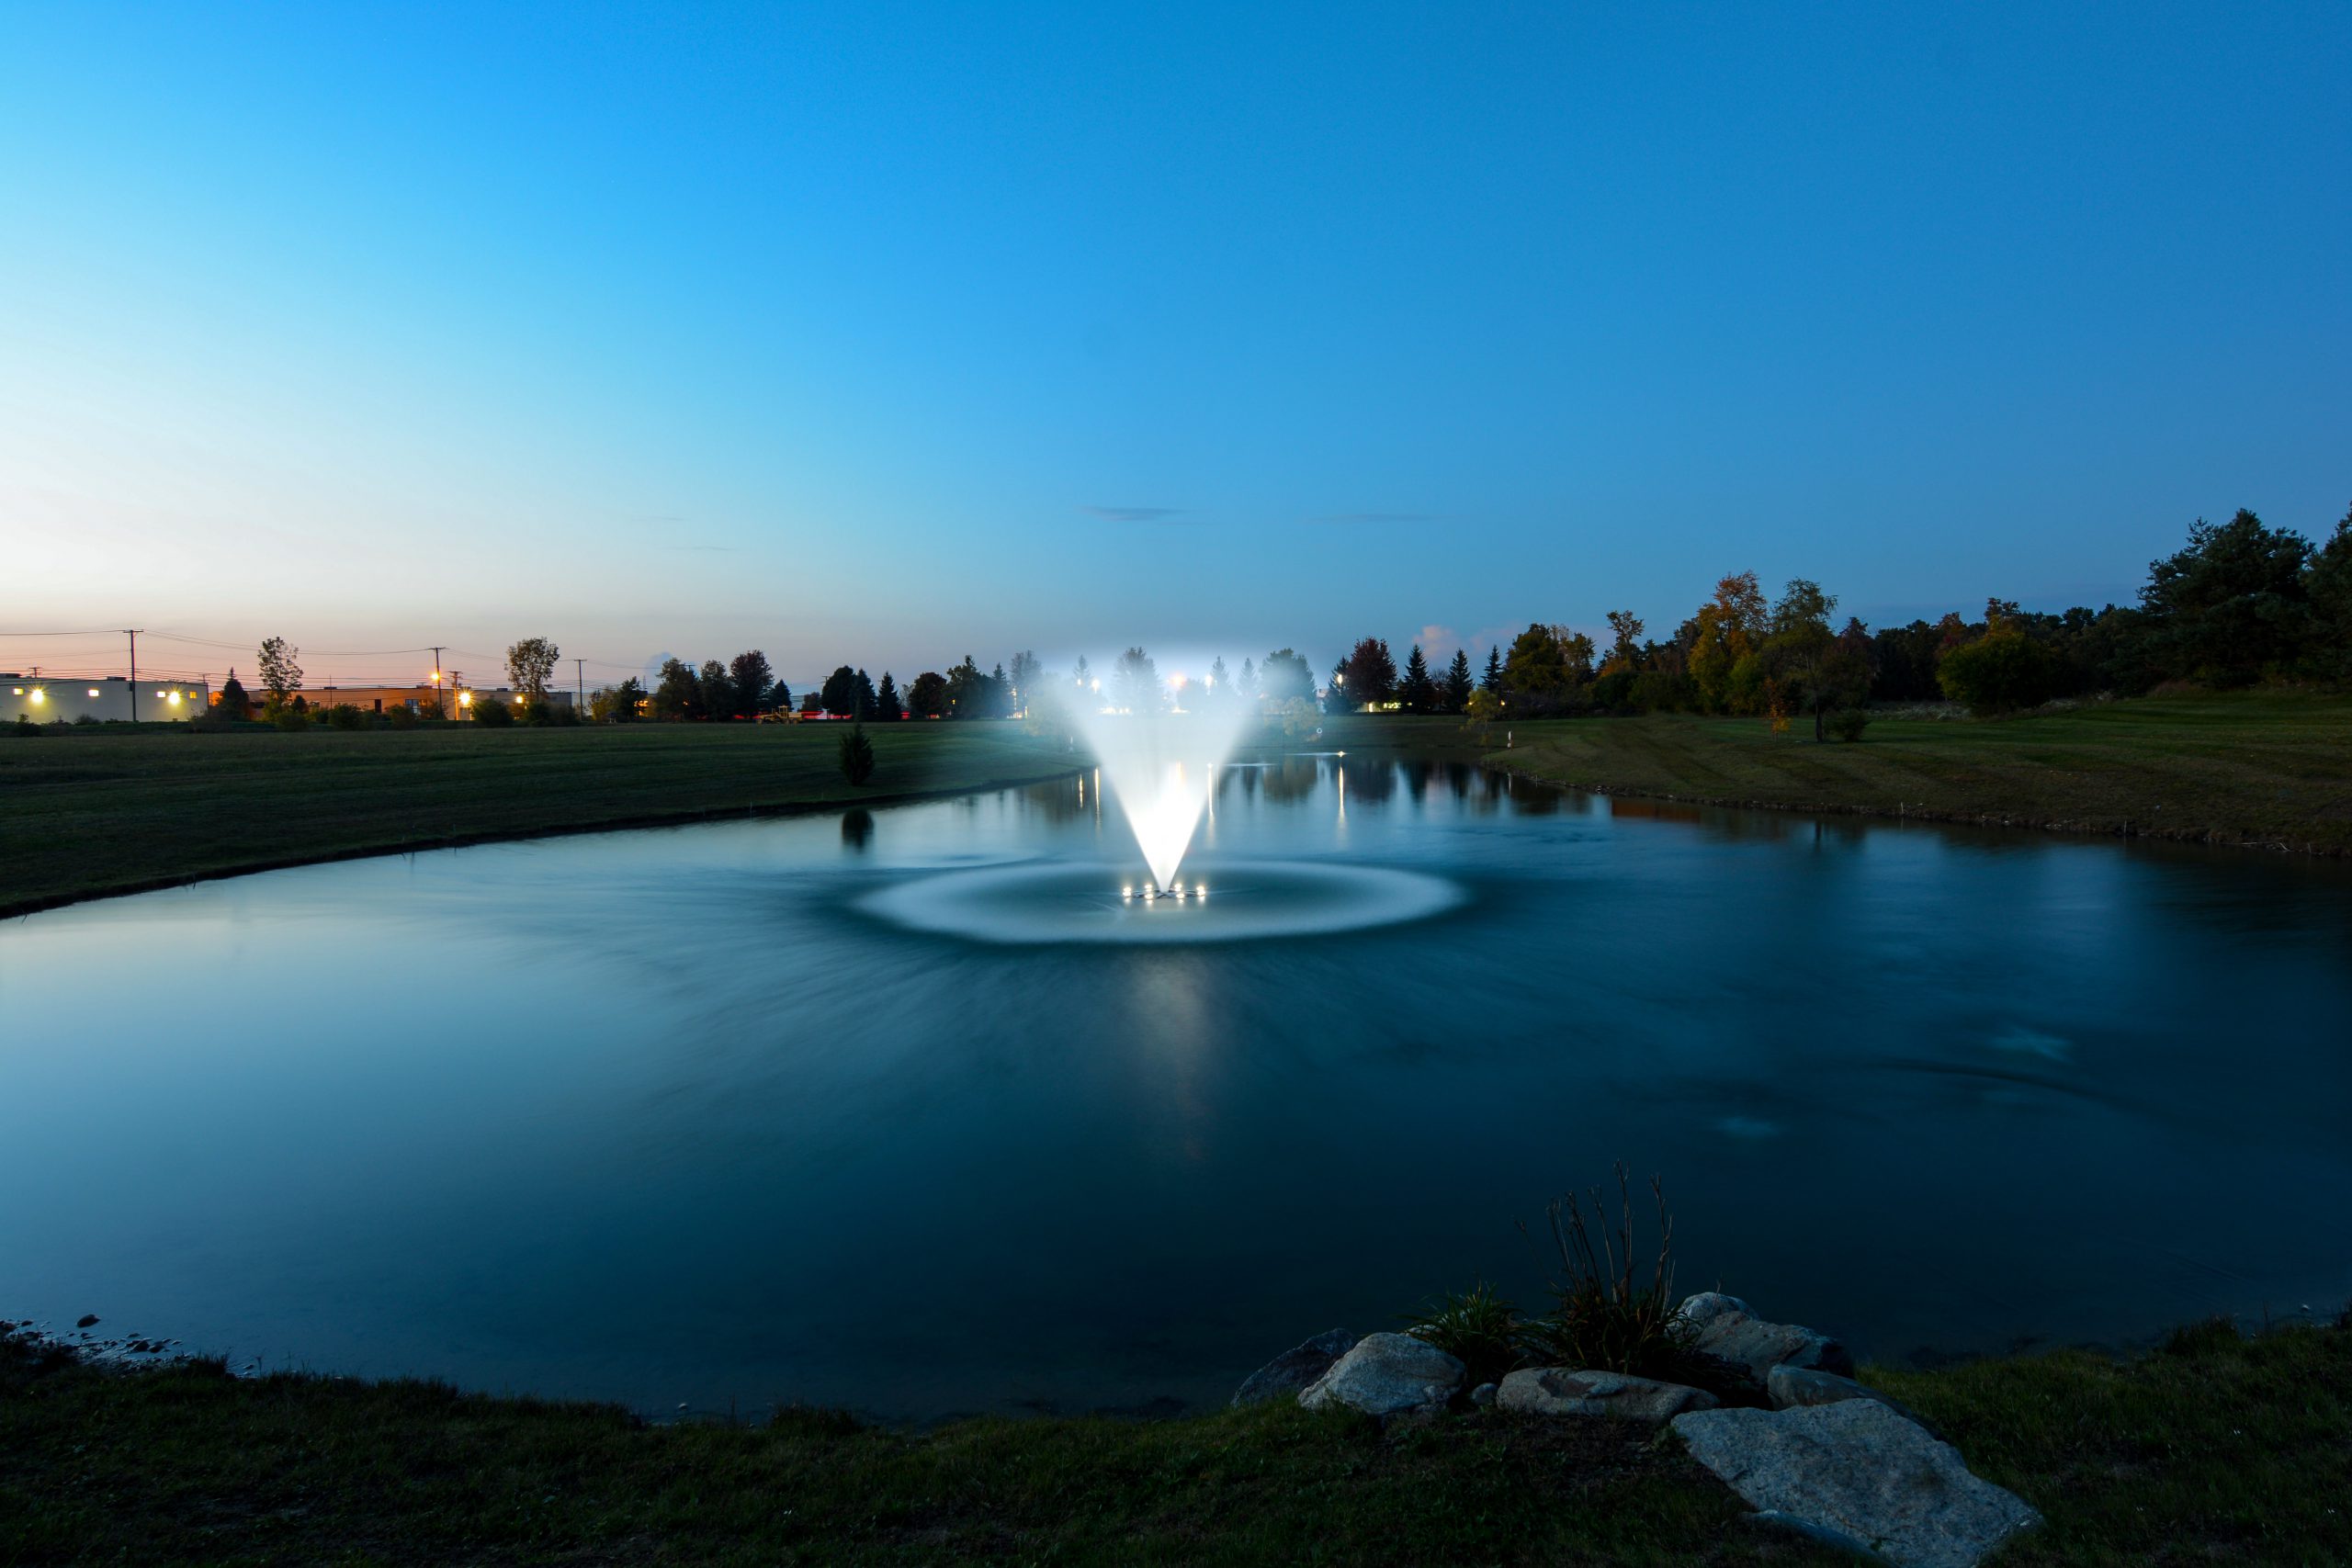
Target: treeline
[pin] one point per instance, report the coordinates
(746, 688)
(2241, 603)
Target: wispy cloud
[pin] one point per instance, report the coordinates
(1134, 513)
(1377, 517)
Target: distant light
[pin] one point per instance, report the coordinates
(176, 699)
(39, 696)
(94, 691)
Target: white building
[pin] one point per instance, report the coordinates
(49, 699)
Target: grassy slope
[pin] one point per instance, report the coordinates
(95, 811)
(2273, 770)
(2227, 1451)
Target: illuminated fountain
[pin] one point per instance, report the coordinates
(1160, 758)
(1160, 750)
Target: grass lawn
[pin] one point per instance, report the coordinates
(112, 809)
(2222, 1450)
(2259, 769)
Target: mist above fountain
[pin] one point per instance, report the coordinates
(1159, 755)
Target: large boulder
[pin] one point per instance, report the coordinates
(1565, 1390)
(1794, 1387)
(1859, 1475)
(1388, 1374)
(1729, 1327)
(1294, 1368)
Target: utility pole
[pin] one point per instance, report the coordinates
(133, 635)
(439, 711)
(580, 686)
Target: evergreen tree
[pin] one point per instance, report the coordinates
(857, 755)
(866, 704)
(233, 703)
(888, 708)
(1416, 692)
(1458, 686)
(1494, 677)
(839, 696)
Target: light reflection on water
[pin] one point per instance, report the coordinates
(662, 1117)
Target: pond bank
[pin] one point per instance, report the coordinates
(2268, 771)
(2217, 1446)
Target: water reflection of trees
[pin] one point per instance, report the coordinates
(1293, 779)
(1371, 783)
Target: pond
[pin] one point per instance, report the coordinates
(733, 1114)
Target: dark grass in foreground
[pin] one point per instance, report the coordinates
(2221, 1448)
(101, 810)
(2272, 770)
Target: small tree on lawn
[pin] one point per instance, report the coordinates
(857, 755)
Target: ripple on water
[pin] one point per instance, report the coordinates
(1061, 901)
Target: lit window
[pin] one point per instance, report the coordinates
(94, 691)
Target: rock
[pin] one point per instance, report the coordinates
(1565, 1390)
(1482, 1395)
(1729, 1327)
(89, 1320)
(1388, 1374)
(1294, 1368)
(1857, 1474)
(1794, 1387)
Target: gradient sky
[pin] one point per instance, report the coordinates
(887, 333)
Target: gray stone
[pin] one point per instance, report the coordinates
(1294, 1368)
(1729, 1327)
(1566, 1391)
(1388, 1374)
(1861, 1476)
(1793, 1387)
(1482, 1395)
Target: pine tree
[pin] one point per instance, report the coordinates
(865, 703)
(857, 755)
(1494, 678)
(1458, 683)
(887, 704)
(1416, 692)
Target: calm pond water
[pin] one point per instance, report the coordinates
(722, 1113)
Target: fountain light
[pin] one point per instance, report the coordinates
(1160, 765)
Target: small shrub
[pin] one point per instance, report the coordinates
(1848, 724)
(1480, 1329)
(2214, 1333)
(1603, 1317)
(344, 716)
(490, 713)
(857, 755)
(403, 717)
(23, 726)
(290, 718)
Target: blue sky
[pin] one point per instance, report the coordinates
(887, 333)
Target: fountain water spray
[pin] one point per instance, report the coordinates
(1160, 762)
